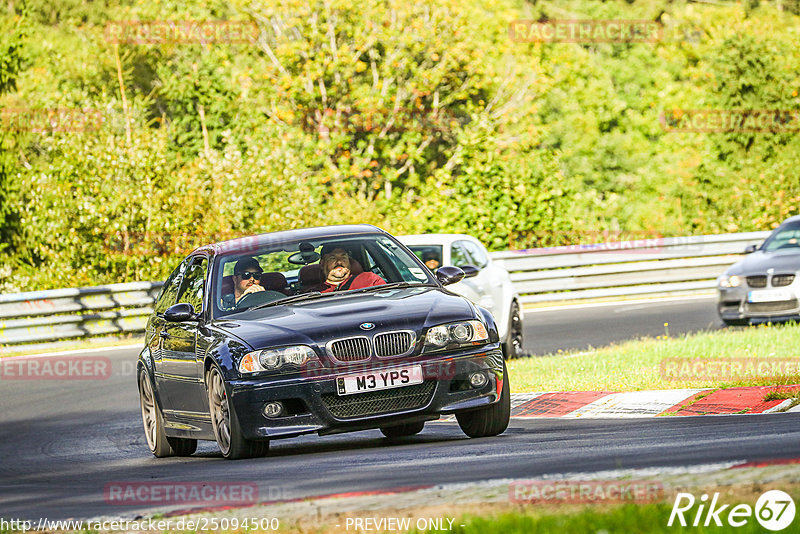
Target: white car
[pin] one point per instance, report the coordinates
(486, 284)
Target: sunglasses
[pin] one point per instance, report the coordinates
(247, 275)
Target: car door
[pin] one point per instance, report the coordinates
(182, 370)
(156, 330)
(475, 289)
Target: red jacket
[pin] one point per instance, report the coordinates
(365, 279)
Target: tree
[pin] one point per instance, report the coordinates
(12, 61)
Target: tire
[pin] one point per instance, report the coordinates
(183, 446)
(399, 431)
(512, 348)
(227, 432)
(735, 322)
(491, 420)
(160, 445)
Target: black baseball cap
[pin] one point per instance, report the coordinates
(247, 263)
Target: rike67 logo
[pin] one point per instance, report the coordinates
(774, 510)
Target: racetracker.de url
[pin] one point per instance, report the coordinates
(199, 524)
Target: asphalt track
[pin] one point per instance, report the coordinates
(63, 441)
(579, 327)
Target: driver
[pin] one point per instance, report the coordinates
(246, 275)
(335, 263)
(431, 260)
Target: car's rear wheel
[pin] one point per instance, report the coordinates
(491, 420)
(512, 348)
(160, 445)
(399, 431)
(227, 432)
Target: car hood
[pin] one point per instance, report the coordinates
(331, 317)
(783, 261)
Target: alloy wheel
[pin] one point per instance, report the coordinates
(220, 411)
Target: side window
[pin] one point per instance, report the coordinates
(477, 253)
(169, 292)
(459, 256)
(194, 284)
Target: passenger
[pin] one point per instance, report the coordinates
(431, 259)
(246, 274)
(336, 265)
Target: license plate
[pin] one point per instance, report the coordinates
(378, 380)
(769, 295)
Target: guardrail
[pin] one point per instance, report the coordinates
(40, 316)
(672, 265)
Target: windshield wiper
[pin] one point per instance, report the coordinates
(293, 298)
(393, 285)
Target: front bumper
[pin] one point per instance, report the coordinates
(316, 406)
(733, 306)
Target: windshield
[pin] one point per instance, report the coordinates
(314, 268)
(785, 237)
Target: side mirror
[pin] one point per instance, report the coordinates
(449, 275)
(750, 249)
(469, 270)
(183, 311)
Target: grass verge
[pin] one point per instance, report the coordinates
(728, 358)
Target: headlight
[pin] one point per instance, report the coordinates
(462, 333)
(274, 359)
(730, 281)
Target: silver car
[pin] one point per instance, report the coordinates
(486, 284)
(764, 286)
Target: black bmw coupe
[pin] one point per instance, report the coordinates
(325, 330)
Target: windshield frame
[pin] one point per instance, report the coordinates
(367, 240)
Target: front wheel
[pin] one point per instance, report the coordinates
(399, 431)
(512, 348)
(160, 445)
(735, 322)
(491, 420)
(227, 432)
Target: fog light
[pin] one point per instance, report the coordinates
(477, 380)
(273, 409)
